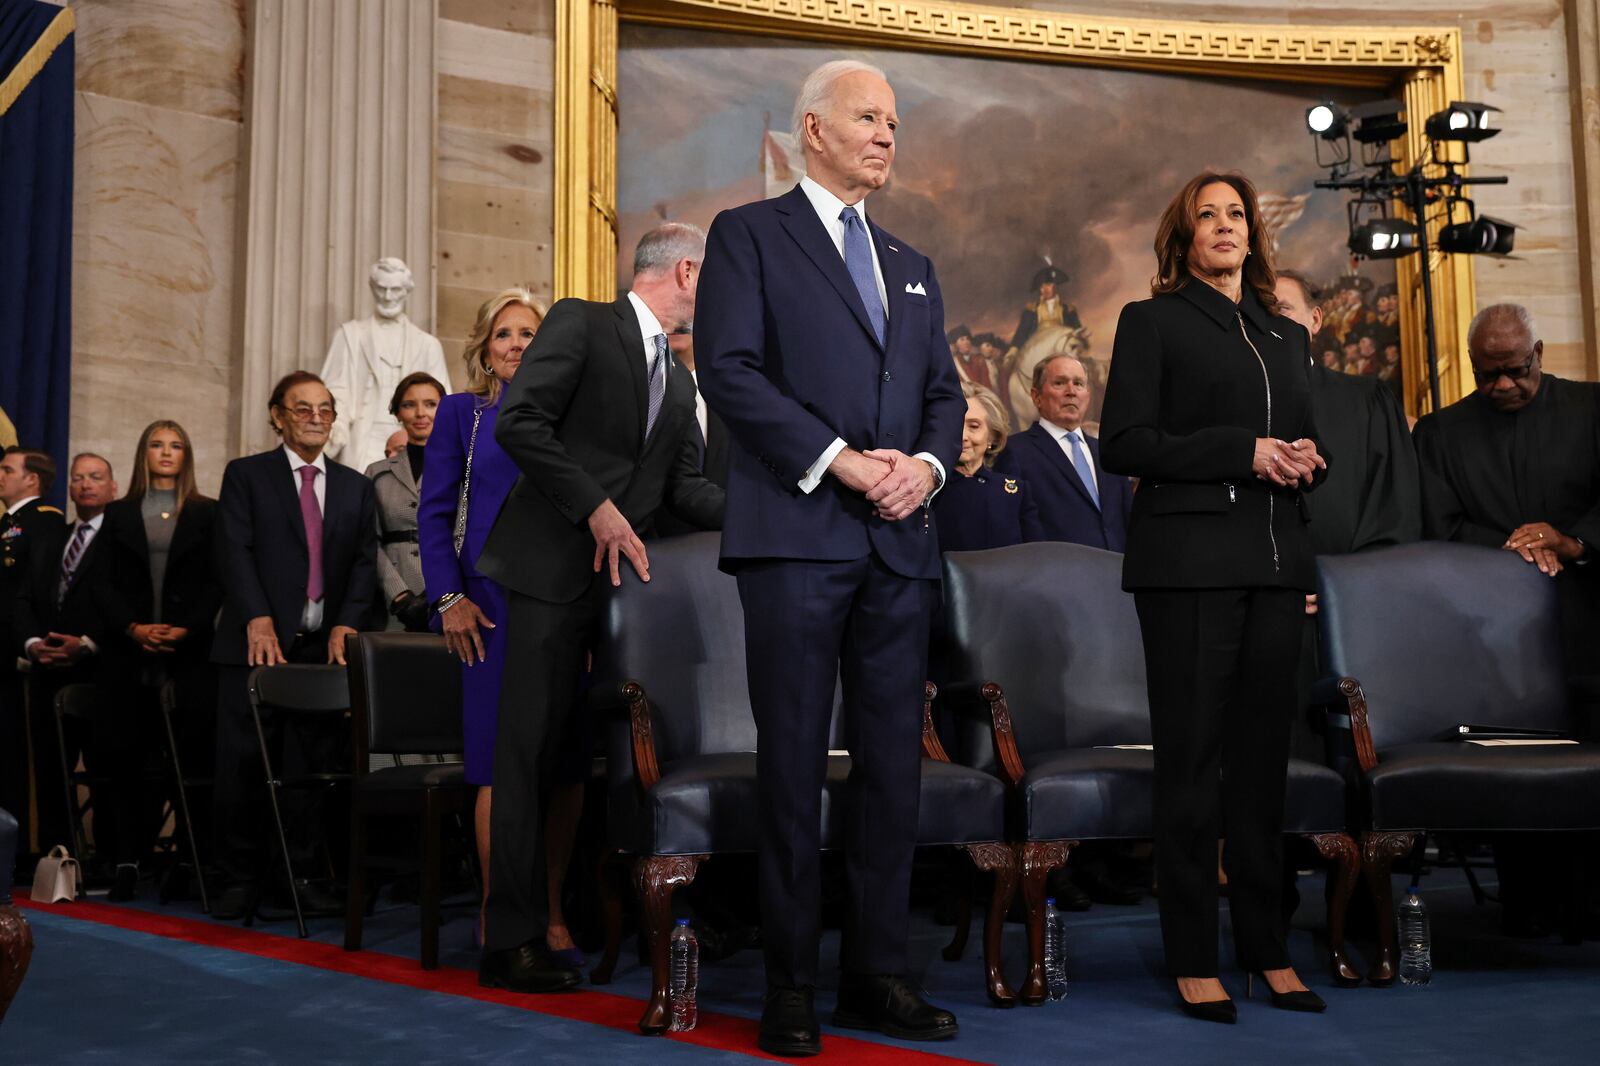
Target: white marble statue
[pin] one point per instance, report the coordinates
(367, 359)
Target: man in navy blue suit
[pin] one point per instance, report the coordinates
(821, 340)
(297, 550)
(1078, 500)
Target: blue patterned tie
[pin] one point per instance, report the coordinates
(1080, 463)
(658, 383)
(858, 260)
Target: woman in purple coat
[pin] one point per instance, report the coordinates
(466, 477)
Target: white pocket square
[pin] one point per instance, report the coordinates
(917, 289)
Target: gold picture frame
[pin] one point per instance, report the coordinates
(1419, 65)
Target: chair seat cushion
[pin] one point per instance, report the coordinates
(422, 775)
(1106, 794)
(1455, 785)
(708, 803)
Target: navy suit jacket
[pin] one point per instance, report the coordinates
(1065, 508)
(789, 361)
(262, 555)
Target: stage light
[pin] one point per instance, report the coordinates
(1327, 120)
(1479, 236)
(1463, 120)
(1379, 122)
(1384, 238)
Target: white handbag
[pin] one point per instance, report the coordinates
(56, 877)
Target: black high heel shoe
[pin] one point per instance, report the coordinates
(1211, 1010)
(1305, 1001)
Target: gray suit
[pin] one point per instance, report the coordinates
(399, 564)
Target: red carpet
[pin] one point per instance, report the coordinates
(717, 1031)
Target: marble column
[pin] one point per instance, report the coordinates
(340, 114)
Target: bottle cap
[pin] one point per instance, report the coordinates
(1050, 901)
(683, 921)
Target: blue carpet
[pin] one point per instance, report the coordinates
(100, 994)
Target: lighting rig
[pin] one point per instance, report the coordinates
(1377, 182)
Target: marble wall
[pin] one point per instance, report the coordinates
(159, 125)
(494, 172)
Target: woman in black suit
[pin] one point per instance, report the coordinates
(1208, 404)
(979, 509)
(160, 599)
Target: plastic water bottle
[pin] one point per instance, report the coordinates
(1416, 944)
(685, 977)
(1055, 950)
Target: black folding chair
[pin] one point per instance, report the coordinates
(181, 785)
(296, 690)
(405, 699)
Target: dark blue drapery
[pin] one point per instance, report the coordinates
(36, 233)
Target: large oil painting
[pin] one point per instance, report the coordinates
(1034, 187)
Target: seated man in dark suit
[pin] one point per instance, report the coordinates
(296, 548)
(62, 629)
(1078, 500)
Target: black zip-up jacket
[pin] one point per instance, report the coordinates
(1195, 379)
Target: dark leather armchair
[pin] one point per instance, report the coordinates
(1052, 645)
(681, 781)
(1427, 637)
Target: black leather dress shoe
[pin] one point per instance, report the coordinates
(892, 1006)
(528, 968)
(319, 902)
(236, 901)
(789, 1024)
(1101, 886)
(126, 884)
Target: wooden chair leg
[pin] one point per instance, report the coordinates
(658, 876)
(429, 889)
(962, 874)
(16, 951)
(608, 872)
(1036, 859)
(1339, 849)
(1001, 861)
(1378, 852)
(355, 898)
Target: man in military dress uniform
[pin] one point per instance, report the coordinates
(25, 476)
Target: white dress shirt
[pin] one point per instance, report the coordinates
(828, 208)
(94, 530)
(20, 504)
(700, 408)
(650, 328)
(1061, 436)
(311, 613)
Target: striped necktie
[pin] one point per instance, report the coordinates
(658, 383)
(74, 556)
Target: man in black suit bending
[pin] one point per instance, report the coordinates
(296, 548)
(599, 419)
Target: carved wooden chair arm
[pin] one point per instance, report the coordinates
(628, 697)
(988, 700)
(932, 746)
(1353, 701)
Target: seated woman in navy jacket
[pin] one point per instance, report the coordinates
(980, 509)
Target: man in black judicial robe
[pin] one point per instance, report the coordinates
(1373, 499)
(1516, 465)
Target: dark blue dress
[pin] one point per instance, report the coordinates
(986, 510)
(493, 475)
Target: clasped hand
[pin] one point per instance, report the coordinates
(1285, 464)
(1543, 544)
(894, 483)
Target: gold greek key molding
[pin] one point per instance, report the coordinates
(1422, 64)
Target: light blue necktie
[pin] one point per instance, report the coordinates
(858, 260)
(1080, 463)
(657, 383)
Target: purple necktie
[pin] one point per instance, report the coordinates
(311, 515)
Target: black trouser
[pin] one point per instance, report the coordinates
(539, 692)
(305, 744)
(1221, 667)
(53, 817)
(806, 625)
(13, 754)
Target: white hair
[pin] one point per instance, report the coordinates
(818, 87)
(667, 245)
(1498, 311)
(390, 265)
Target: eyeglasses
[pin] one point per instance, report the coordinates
(1513, 373)
(307, 413)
